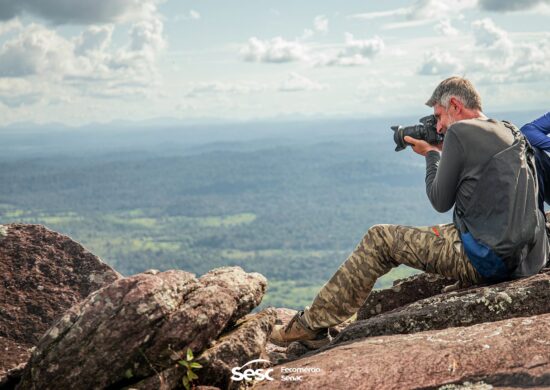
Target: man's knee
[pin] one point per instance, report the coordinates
(380, 236)
(379, 230)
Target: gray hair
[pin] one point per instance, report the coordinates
(457, 87)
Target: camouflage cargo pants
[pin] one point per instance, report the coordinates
(435, 249)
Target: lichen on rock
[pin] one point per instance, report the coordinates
(3, 231)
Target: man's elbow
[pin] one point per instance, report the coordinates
(440, 207)
(530, 131)
(526, 127)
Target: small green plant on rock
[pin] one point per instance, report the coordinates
(189, 365)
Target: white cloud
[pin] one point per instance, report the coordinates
(320, 23)
(406, 24)
(494, 56)
(79, 12)
(366, 48)
(497, 48)
(435, 9)
(18, 92)
(293, 83)
(36, 50)
(445, 28)
(296, 82)
(9, 26)
(355, 52)
(86, 64)
(421, 10)
(147, 36)
(217, 87)
(499, 59)
(439, 63)
(277, 50)
(194, 14)
(488, 34)
(510, 5)
(381, 14)
(431, 10)
(94, 39)
(191, 15)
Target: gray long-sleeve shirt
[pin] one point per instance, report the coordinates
(469, 144)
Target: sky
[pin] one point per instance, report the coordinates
(86, 61)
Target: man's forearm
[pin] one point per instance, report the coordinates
(432, 163)
(438, 193)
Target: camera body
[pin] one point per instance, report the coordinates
(426, 131)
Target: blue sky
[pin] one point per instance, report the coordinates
(86, 61)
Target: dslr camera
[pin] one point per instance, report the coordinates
(426, 131)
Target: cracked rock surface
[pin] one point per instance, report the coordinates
(403, 292)
(519, 298)
(508, 353)
(138, 326)
(235, 347)
(42, 274)
(465, 339)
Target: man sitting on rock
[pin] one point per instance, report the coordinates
(485, 168)
(537, 134)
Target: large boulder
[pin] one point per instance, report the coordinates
(236, 348)
(403, 292)
(509, 353)
(406, 311)
(138, 326)
(42, 274)
(242, 343)
(519, 298)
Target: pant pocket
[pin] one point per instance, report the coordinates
(420, 248)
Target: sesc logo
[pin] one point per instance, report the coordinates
(249, 374)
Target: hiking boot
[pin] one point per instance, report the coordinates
(323, 338)
(297, 330)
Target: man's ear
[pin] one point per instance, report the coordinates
(454, 102)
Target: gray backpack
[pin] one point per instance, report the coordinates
(501, 222)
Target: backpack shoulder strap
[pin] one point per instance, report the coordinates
(528, 149)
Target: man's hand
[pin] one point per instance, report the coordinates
(422, 147)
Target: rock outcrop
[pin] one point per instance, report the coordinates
(403, 292)
(237, 347)
(244, 342)
(509, 353)
(139, 326)
(42, 274)
(447, 338)
(519, 298)
(105, 331)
